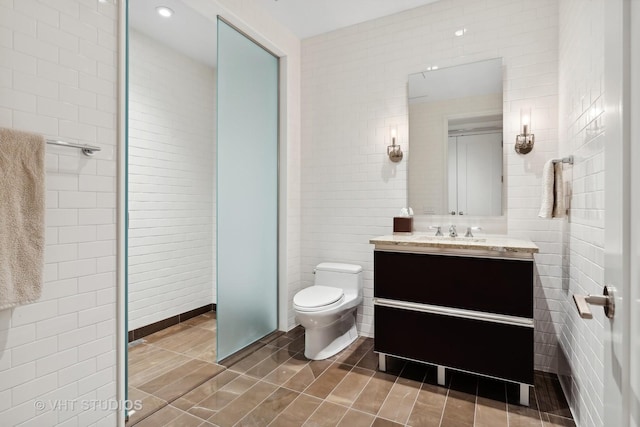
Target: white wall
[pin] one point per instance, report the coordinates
(581, 76)
(171, 182)
(354, 86)
(58, 75)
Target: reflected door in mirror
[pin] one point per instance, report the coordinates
(475, 174)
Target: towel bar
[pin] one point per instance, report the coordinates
(87, 150)
(564, 160)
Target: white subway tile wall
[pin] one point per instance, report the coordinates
(581, 105)
(171, 182)
(354, 86)
(58, 67)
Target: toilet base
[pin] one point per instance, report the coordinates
(324, 342)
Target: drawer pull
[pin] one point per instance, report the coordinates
(455, 312)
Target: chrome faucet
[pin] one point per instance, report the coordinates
(437, 228)
(469, 229)
(452, 231)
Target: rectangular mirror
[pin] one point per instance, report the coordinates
(455, 135)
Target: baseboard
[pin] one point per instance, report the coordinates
(143, 331)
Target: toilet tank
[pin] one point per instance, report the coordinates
(345, 276)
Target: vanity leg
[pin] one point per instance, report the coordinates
(524, 394)
(382, 362)
(441, 375)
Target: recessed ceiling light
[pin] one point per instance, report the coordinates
(164, 11)
(460, 32)
(435, 67)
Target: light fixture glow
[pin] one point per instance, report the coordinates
(394, 151)
(525, 140)
(164, 11)
(460, 32)
(435, 67)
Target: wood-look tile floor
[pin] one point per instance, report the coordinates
(276, 386)
(167, 364)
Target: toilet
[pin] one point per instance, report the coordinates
(327, 309)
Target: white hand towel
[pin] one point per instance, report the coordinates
(22, 190)
(559, 209)
(552, 205)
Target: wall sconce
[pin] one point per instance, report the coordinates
(524, 141)
(394, 151)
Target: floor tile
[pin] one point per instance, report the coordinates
(188, 381)
(329, 379)
(205, 390)
(221, 398)
(150, 404)
(459, 409)
(155, 367)
(171, 376)
(399, 403)
(352, 354)
(429, 406)
(184, 420)
(351, 386)
(356, 419)
(298, 412)
(245, 403)
(550, 396)
(381, 422)
(161, 418)
(327, 415)
(270, 363)
(521, 416)
(490, 413)
(369, 360)
(374, 393)
(253, 359)
(269, 409)
(307, 375)
(556, 421)
(285, 371)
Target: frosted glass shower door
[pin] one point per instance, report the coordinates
(247, 191)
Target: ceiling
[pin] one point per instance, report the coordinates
(307, 18)
(195, 36)
(187, 31)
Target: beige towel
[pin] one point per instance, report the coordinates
(22, 191)
(552, 205)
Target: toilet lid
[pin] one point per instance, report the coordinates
(317, 296)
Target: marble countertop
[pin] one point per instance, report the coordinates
(490, 243)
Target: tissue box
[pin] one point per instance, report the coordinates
(402, 224)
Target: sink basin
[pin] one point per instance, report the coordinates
(461, 239)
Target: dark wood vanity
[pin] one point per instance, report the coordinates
(455, 305)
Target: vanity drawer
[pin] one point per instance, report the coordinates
(502, 286)
(488, 348)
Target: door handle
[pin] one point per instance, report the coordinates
(606, 300)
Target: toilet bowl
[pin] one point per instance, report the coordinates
(327, 309)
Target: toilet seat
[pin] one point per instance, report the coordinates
(316, 298)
